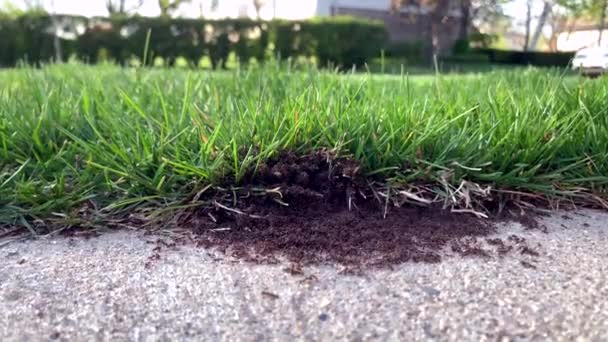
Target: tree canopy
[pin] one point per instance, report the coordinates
(122, 7)
(168, 7)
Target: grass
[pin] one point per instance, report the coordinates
(86, 144)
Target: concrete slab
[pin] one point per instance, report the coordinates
(109, 289)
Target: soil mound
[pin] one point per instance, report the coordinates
(314, 209)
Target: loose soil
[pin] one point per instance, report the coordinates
(321, 211)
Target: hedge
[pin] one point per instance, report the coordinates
(410, 52)
(337, 41)
(547, 59)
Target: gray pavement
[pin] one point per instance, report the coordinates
(109, 289)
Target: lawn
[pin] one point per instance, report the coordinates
(147, 141)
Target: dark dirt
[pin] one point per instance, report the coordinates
(528, 264)
(527, 250)
(469, 246)
(270, 295)
(502, 248)
(324, 213)
(529, 220)
(318, 233)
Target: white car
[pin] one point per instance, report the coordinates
(591, 61)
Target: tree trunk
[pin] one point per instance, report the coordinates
(602, 22)
(528, 23)
(465, 8)
(542, 20)
(558, 25)
(438, 15)
(57, 46)
(56, 41)
(258, 4)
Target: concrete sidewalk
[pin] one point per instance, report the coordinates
(116, 287)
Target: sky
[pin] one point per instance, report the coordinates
(88, 7)
(296, 8)
(292, 9)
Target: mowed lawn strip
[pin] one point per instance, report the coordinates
(130, 140)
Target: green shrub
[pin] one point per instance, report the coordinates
(476, 40)
(412, 52)
(461, 47)
(339, 41)
(346, 41)
(8, 48)
(101, 40)
(470, 57)
(482, 40)
(30, 38)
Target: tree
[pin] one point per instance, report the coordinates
(258, 4)
(465, 19)
(473, 13)
(478, 12)
(119, 7)
(167, 7)
(597, 9)
(542, 21)
(33, 5)
(30, 6)
(528, 24)
(603, 9)
(8, 9)
(487, 15)
(438, 11)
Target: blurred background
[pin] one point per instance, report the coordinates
(378, 34)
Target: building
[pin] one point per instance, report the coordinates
(288, 9)
(410, 25)
(580, 37)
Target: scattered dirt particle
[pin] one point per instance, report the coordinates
(528, 264)
(355, 271)
(12, 254)
(309, 279)
(294, 269)
(152, 259)
(517, 239)
(167, 244)
(495, 242)
(270, 295)
(502, 248)
(469, 246)
(527, 220)
(525, 250)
